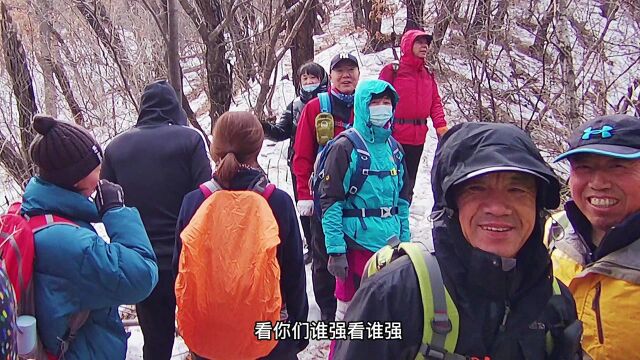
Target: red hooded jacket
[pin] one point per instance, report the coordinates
(418, 91)
(306, 145)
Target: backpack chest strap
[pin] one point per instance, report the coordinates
(380, 173)
(383, 212)
(410, 121)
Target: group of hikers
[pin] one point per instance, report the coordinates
(217, 252)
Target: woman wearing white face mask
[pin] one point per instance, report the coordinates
(313, 80)
(357, 225)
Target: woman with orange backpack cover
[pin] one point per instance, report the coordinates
(238, 256)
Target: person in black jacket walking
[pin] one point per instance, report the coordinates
(157, 163)
(243, 139)
(313, 80)
(490, 187)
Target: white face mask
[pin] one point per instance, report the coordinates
(310, 87)
(380, 114)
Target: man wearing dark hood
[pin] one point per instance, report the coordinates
(157, 163)
(490, 187)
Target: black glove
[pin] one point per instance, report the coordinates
(108, 196)
(338, 266)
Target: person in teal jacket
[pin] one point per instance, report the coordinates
(351, 238)
(75, 269)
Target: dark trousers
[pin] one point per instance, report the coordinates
(157, 317)
(412, 156)
(324, 284)
(305, 221)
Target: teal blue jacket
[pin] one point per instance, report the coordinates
(76, 270)
(377, 192)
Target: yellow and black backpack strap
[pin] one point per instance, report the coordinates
(548, 335)
(324, 122)
(555, 227)
(440, 316)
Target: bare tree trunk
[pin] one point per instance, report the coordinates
(50, 96)
(211, 26)
(101, 24)
(51, 60)
(173, 49)
(479, 22)
(543, 28)
(18, 69)
(359, 19)
(566, 63)
(67, 91)
(447, 10)
(302, 49)
(415, 15)
(272, 58)
(44, 53)
(374, 11)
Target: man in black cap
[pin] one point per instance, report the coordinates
(596, 240)
(337, 104)
(158, 162)
(486, 290)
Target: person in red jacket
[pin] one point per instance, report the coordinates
(419, 99)
(344, 75)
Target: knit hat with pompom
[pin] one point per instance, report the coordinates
(64, 153)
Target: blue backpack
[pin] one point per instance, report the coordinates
(363, 166)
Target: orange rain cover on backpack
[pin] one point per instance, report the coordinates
(229, 277)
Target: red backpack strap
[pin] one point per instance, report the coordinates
(268, 191)
(41, 222)
(263, 187)
(209, 187)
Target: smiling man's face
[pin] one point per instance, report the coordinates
(605, 189)
(497, 211)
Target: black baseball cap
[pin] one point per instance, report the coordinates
(616, 136)
(343, 56)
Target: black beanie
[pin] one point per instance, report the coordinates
(64, 153)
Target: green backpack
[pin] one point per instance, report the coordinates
(439, 340)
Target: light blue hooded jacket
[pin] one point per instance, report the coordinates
(370, 233)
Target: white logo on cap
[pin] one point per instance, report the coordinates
(97, 152)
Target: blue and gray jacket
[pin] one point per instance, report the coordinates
(386, 193)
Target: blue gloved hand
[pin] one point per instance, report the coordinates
(338, 266)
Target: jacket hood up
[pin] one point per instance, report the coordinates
(406, 48)
(159, 105)
(364, 92)
(468, 149)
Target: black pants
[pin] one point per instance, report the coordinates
(305, 221)
(157, 317)
(324, 284)
(412, 156)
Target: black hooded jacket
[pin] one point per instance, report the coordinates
(157, 163)
(287, 125)
(503, 314)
